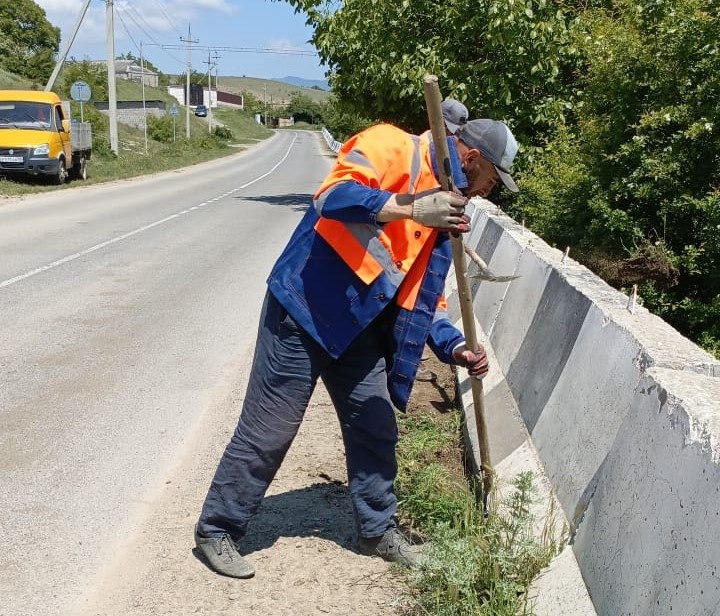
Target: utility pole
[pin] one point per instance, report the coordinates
(216, 57)
(265, 118)
(142, 79)
(189, 42)
(112, 91)
(63, 55)
(209, 105)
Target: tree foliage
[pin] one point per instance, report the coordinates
(28, 41)
(509, 60)
(94, 74)
(614, 102)
(634, 182)
(303, 109)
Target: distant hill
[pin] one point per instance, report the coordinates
(305, 83)
(277, 92)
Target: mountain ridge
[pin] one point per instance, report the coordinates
(304, 83)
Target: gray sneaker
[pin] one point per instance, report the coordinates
(222, 555)
(393, 547)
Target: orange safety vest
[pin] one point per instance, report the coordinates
(386, 158)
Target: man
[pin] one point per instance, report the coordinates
(455, 115)
(353, 299)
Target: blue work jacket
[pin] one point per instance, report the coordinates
(325, 297)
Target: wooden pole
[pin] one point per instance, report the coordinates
(433, 101)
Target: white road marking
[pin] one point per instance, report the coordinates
(124, 236)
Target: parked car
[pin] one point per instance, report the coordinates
(38, 137)
(201, 111)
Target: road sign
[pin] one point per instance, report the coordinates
(80, 91)
(174, 110)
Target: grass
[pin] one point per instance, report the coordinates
(133, 91)
(242, 125)
(478, 565)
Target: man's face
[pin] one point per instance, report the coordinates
(481, 175)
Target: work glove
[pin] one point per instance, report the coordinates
(476, 363)
(442, 210)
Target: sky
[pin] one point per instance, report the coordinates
(156, 24)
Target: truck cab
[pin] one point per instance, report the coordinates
(36, 139)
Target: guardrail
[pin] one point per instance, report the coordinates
(332, 144)
(621, 411)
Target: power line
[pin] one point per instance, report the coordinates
(293, 52)
(124, 25)
(140, 16)
(135, 21)
(162, 46)
(164, 11)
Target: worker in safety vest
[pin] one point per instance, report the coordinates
(353, 299)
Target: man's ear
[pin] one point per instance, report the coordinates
(470, 156)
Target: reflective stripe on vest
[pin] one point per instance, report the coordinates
(368, 249)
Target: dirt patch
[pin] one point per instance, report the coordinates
(435, 396)
(301, 541)
(648, 263)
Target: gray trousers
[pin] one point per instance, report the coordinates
(286, 367)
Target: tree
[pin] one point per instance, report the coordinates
(633, 181)
(28, 41)
(303, 109)
(94, 74)
(510, 61)
(614, 103)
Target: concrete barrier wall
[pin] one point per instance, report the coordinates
(624, 415)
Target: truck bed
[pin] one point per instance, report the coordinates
(81, 136)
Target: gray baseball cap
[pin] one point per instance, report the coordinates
(495, 142)
(454, 113)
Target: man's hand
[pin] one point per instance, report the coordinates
(476, 363)
(442, 210)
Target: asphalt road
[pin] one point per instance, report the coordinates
(126, 310)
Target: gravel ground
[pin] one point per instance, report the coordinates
(301, 541)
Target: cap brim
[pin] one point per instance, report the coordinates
(451, 127)
(507, 180)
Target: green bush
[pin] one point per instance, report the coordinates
(160, 128)
(101, 146)
(223, 132)
(632, 180)
(478, 565)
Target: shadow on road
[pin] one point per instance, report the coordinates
(299, 202)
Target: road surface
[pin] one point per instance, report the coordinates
(129, 313)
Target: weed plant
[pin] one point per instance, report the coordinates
(477, 565)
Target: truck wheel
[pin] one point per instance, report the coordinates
(80, 169)
(61, 176)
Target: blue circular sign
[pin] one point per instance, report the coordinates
(80, 91)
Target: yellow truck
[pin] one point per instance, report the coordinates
(37, 137)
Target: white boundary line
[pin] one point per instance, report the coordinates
(124, 236)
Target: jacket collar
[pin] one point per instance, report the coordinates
(458, 176)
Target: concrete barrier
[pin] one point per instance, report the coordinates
(620, 412)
